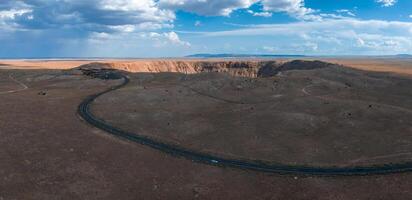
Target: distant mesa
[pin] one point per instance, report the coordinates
(404, 56)
(243, 56)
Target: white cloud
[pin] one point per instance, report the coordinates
(295, 8)
(96, 37)
(260, 14)
(168, 38)
(325, 16)
(387, 3)
(207, 7)
(327, 26)
(7, 18)
(269, 49)
(160, 39)
(11, 14)
(360, 42)
(134, 44)
(343, 35)
(143, 9)
(145, 26)
(173, 38)
(346, 11)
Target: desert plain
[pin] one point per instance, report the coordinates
(339, 112)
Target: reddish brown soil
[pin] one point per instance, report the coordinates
(47, 152)
(394, 65)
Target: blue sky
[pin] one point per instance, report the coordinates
(171, 28)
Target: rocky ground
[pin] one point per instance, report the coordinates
(322, 116)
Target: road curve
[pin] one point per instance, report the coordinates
(24, 86)
(85, 113)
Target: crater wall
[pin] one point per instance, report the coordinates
(236, 68)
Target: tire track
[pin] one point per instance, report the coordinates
(23, 86)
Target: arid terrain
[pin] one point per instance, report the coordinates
(308, 113)
(392, 65)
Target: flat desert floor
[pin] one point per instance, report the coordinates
(332, 116)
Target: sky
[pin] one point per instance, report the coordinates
(174, 28)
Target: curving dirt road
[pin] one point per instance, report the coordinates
(23, 86)
(84, 112)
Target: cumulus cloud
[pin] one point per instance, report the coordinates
(207, 7)
(294, 8)
(87, 15)
(173, 38)
(168, 38)
(387, 3)
(130, 15)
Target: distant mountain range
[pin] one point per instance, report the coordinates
(241, 56)
(404, 55)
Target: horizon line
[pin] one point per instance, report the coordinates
(192, 56)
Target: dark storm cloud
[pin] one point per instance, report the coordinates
(92, 14)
